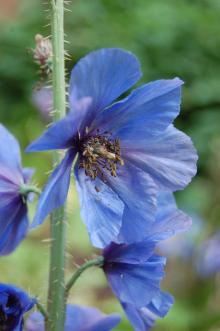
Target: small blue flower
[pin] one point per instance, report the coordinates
(13, 206)
(14, 303)
(78, 318)
(208, 257)
(127, 150)
(143, 319)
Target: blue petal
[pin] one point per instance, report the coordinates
(56, 189)
(138, 193)
(135, 284)
(102, 75)
(9, 152)
(169, 158)
(169, 219)
(59, 135)
(14, 225)
(143, 319)
(134, 253)
(148, 110)
(89, 319)
(101, 208)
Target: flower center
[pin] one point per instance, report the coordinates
(100, 154)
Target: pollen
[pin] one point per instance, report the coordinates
(100, 155)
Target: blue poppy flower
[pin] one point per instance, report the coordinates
(13, 193)
(14, 303)
(143, 319)
(127, 150)
(78, 318)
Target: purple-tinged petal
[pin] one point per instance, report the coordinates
(169, 158)
(134, 253)
(35, 322)
(59, 135)
(138, 192)
(56, 189)
(102, 75)
(9, 152)
(147, 111)
(136, 284)
(27, 174)
(14, 231)
(101, 208)
(143, 319)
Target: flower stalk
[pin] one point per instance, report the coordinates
(97, 262)
(56, 293)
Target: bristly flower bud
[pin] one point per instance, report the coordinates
(43, 54)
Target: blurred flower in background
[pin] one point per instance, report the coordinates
(42, 99)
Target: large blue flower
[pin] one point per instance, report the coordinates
(13, 195)
(78, 319)
(127, 150)
(14, 303)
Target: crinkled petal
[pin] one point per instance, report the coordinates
(101, 208)
(135, 284)
(9, 152)
(55, 192)
(147, 111)
(59, 135)
(102, 75)
(14, 225)
(169, 158)
(143, 319)
(138, 193)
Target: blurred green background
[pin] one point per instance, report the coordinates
(171, 38)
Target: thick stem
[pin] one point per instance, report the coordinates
(56, 294)
(98, 262)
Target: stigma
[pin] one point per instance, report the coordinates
(100, 155)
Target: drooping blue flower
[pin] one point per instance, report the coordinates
(143, 319)
(127, 150)
(78, 318)
(134, 272)
(13, 196)
(14, 303)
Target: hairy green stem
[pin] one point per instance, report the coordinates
(42, 310)
(25, 189)
(56, 293)
(98, 262)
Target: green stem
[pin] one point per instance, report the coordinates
(98, 262)
(56, 293)
(25, 189)
(42, 310)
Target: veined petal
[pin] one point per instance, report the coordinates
(9, 152)
(138, 192)
(103, 75)
(59, 135)
(169, 158)
(101, 208)
(147, 111)
(136, 284)
(143, 319)
(56, 189)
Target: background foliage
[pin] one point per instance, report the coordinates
(171, 38)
